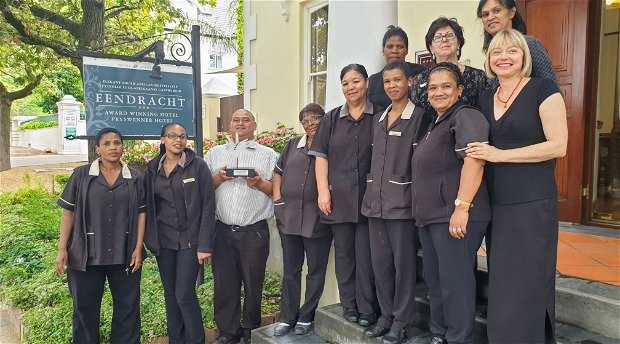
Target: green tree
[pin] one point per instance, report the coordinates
(70, 27)
(57, 83)
(21, 70)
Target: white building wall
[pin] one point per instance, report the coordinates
(355, 37)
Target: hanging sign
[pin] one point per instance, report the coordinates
(120, 94)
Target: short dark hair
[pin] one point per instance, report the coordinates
(312, 108)
(517, 21)
(440, 23)
(450, 68)
(395, 31)
(402, 65)
(108, 130)
(169, 125)
(356, 67)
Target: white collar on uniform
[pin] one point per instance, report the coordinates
(94, 169)
(303, 141)
(407, 113)
(181, 162)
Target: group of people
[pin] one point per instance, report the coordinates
(185, 210)
(441, 158)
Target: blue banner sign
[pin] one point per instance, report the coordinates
(121, 95)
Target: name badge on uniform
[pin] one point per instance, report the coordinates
(188, 180)
(394, 133)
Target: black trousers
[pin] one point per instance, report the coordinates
(86, 288)
(178, 271)
(356, 280)
(449, 266)
(393, 250)
(294, 249)
(239, 257)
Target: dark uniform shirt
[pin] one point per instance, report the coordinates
(388, 185)
(297, 212)
(171, 210)
(88, 196)
(437, 162)
(107, 221)
(198, 200)
(346, 144)
(376, 92)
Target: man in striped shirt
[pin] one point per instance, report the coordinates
(241, 246)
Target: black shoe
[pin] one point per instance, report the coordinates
(224, 340)
(438, 340)
(394, 337)
(301, 329)
(245, 340)
(281, 329)
(367, 320)
(375, 331)
(351, 315)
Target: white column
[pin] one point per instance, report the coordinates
(68, 118)
(355, 33)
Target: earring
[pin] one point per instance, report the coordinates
(458, 52)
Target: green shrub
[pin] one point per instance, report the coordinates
(37, 125)
(29, 226)
(61, 180)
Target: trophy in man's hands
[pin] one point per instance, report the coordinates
(239, 171)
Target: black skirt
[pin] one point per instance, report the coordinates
(522, 266)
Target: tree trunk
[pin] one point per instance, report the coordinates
(92, 33)
(5, 132)
(92, 38)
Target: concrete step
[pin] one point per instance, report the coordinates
(332, 328)
(586, 312)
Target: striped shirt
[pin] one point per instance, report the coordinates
(236, 202)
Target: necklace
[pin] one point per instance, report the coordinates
(499, 90)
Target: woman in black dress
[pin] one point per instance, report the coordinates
(451, 206)
(180, 229)
(528, 131)
(342, 148)
(445, 40)
(301, 232)
(101, 235)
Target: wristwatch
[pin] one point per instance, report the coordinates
(458, 202)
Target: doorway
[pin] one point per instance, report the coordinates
(605, 201)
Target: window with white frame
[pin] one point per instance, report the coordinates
(316, 52)
(215, 60)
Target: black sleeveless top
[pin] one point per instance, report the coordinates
(520, 126)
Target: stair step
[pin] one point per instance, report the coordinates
(580, 305)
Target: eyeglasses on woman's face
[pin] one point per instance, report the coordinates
(174, 136)
(311, 120)
(448, 36)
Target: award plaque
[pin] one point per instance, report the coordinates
(240, 172)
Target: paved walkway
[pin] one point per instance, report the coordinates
(7, 333)
(47, 159)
